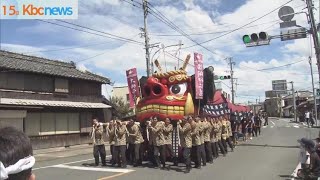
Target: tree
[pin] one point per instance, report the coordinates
(122, 108)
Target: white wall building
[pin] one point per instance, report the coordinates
(123, 92)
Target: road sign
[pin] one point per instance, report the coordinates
(286, 13)
(288, 24)
(291, 34)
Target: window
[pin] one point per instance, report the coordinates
(51, 123)
(61, 85)
(32, 124)
(73, 122)
(85, 122)
(47, 124)
(15, 81)
(61, 123)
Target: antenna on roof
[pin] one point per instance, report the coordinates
(73, 64)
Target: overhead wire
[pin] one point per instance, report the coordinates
(103, 32)
(68, 48)
(81, 30)
(214, 32)
(157, 14)
(234, 30)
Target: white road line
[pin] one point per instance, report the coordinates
(264, 126)
(273, 123)
(94, 169)
(296, 126)
(73, 162)
(271, 126)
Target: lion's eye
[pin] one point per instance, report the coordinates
(178, 89)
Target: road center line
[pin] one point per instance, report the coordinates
(94, 169)
(73, 162)
(113, 176)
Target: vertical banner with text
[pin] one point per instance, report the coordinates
(198, 69)
(133, 85)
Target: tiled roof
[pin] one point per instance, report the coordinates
(24, 63)
(32, 102)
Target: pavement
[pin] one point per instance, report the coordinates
(271, 156)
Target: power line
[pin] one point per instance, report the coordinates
(225, 84)
(81, 30)
(214, 32)
(240, 26)
(68, 48)
(116, 36)
(62, 49)
(82, 60)
(156, 13)
(133, 3)
(265, 69)
(176, 58)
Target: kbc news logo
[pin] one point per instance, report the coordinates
(39, 9)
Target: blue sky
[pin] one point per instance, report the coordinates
(112, 57)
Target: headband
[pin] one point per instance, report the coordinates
(21, 165)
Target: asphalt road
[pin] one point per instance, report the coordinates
(271, 156)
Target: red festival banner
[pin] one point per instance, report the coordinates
(133, 85)
(198, 69)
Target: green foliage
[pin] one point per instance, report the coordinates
(121, 107)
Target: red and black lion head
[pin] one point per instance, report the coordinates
(171, 94)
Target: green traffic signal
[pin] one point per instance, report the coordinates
(246, 39)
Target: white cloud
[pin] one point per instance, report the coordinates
(82, 67)
(20, 48)
(118, 57)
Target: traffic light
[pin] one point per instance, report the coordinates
(222, 77)
(256, 39)
(318, 92)
(225, 77)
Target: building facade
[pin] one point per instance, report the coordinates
(121, 92)
(273, 106)
(301, 98)
(51, 101)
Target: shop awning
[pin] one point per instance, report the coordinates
(32, 102)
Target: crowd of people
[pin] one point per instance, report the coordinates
(198, 139)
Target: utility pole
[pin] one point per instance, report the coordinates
(314, 93)
(294, 101)
(146, 37)
(231, 63)
(310, 7)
